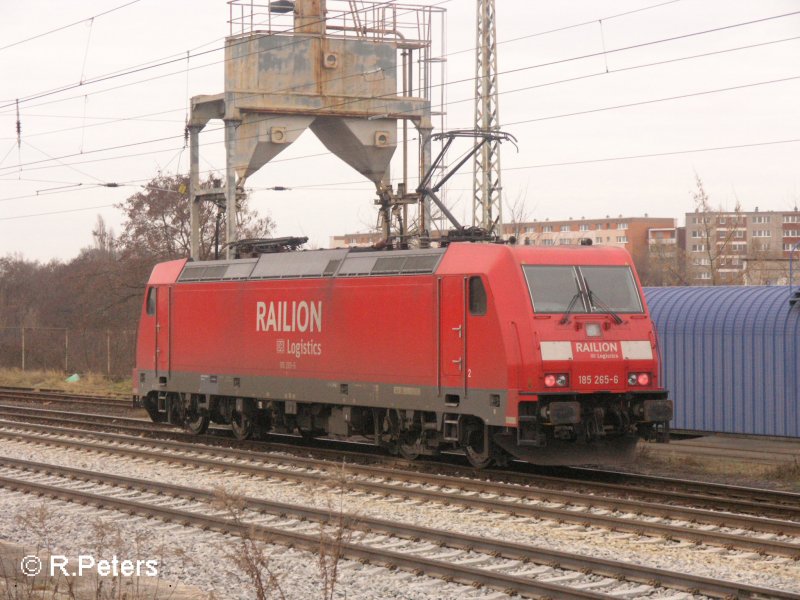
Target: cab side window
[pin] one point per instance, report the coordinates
(477, 297)
(151, 301)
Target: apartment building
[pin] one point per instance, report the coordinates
(740, 247)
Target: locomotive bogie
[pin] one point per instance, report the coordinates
(415, 351)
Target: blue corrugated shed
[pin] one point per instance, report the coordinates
(730, 357)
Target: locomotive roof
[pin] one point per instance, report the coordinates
(314, 264)
(348, 262)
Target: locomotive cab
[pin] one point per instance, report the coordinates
(594, 366)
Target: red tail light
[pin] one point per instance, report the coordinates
(556, 380)
(639, 379)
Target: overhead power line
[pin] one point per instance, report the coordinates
(511, 91)
(182, 57)
(63, 27)
(337, 185)
(550, 117)
(139, 69)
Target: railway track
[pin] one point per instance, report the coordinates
(585, 482)
(730, 530)
(466, 559)
(61, 397)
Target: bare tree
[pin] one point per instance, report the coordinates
(714, 235)
(517, 214)
(663, 266)
(158, 220)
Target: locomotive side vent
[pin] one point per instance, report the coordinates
(202, 272)
(331, 267)
(421, 264)
(389, 266)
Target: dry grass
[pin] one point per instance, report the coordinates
(90, 383)
(107, 540)
(788, 472)
(718, 469)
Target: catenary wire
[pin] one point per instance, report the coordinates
(62, 28)
(107, 77)
(550, 117)
(336, 185)
(172, 58)
(472, 79)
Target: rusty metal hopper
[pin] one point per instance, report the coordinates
(261, 137)
(367, 145)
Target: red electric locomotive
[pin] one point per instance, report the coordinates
(547, 355)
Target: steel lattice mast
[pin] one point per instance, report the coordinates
(487, 197)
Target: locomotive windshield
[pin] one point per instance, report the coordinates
(582, 289)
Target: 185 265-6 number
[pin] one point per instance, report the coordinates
(598, 379)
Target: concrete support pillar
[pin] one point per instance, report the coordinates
(230, 186)
(425, 219)
(194, 186)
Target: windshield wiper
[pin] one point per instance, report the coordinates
(595, 301)
(565, 318)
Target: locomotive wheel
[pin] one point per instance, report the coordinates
(196, 424)
(241, 425)
(478, 447)
(409, 446)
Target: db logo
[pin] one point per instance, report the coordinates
(31, 565)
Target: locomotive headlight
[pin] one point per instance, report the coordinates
(632, 378)
(549, 380)
(561, 380)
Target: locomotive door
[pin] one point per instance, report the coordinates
(163, 302)
(453, 334)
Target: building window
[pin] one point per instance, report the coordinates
(598, 240)
(547, 242)
(564, 242)
(547, 229)
(622, 239)
(697, 234)
(762, 233)
(584, 227)
(740, 234)
(761, 219)
(622, 225)
(791, 218)
(791, 233)
(565, 228)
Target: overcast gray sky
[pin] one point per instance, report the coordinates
(740, 98)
